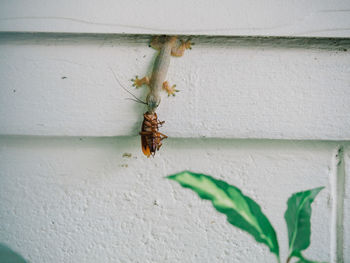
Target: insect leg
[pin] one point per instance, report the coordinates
(149, 117)
(147, 123)
(145, 133)
(161, 134)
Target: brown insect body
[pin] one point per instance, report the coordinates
(151, 138)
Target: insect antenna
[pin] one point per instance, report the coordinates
(136, 99)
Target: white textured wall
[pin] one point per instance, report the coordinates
(72, 199)
(269, 115)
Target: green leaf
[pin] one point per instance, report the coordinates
(241, 211)
(304, 260)
(298, 216)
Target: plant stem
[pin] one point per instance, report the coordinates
(288, 259)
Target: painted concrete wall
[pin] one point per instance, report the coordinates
(269, 115)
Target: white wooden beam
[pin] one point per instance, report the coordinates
(316, 18)
(230, 87)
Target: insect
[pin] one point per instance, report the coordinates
(151, 138)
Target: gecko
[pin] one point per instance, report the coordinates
(168, 46)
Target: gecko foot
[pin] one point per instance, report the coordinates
(170, 90)
(179, 50)
(139, 82)
(187, 44)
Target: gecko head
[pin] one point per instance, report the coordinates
(153, 102)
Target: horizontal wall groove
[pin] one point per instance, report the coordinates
(327, 43)
(212, 139)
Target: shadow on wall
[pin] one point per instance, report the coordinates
(9, 256)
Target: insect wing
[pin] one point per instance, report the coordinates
(145, 147)
(144, 142)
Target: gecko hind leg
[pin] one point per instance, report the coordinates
(170, 90)
(179, 50)
(157, 42)
(139, 82)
